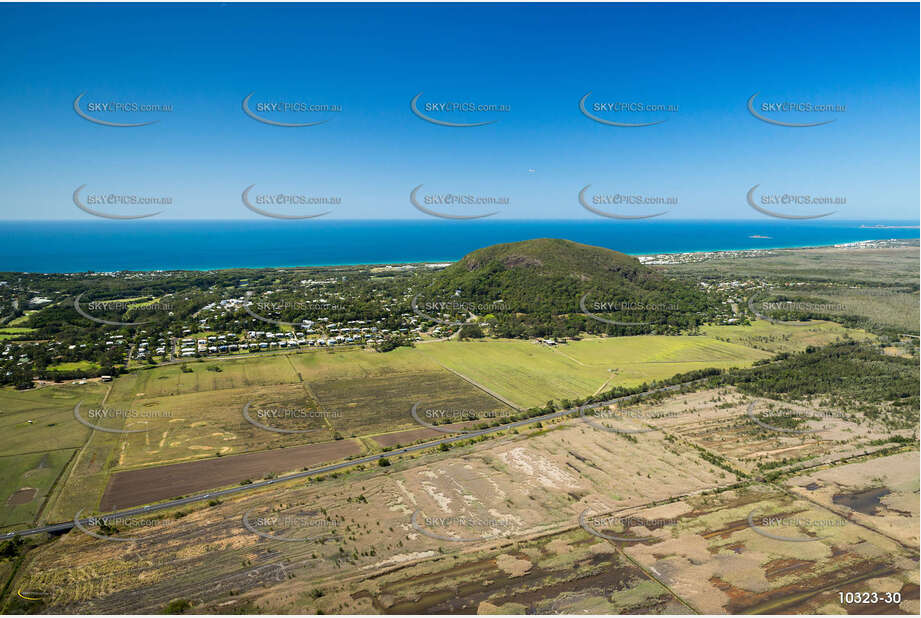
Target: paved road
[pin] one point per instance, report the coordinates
(211, 495)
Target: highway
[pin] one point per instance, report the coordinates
(211, 495)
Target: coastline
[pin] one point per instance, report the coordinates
(219, 246)
(434, 263)
(724, 252)
(854, 245)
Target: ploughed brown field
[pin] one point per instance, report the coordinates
(411, 436)
(135, 487)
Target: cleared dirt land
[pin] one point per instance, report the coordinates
(566, 573)
(714, 559)
(534, 483)
(134, 487)
(719, 421)
(389, 541)
(880, 493)
(382, 403)
(211, 423)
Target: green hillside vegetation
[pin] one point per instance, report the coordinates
(540, 283)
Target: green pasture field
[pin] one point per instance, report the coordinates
(530, 374)
(85, 479)
(238, 373)
(23, 318)
(523, 372)
(359, 363)
(775, 338)
(25, 481)
(83, 365)
(53, 432)
(14, 332)
(51, 410)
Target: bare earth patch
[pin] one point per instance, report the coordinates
(23, 495)
(888, 487)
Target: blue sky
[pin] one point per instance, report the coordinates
(707, 59)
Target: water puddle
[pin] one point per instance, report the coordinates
(865, 501)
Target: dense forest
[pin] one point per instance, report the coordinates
(851, 377)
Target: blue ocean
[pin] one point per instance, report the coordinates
(78, 246)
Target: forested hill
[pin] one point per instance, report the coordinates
(541, 282)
